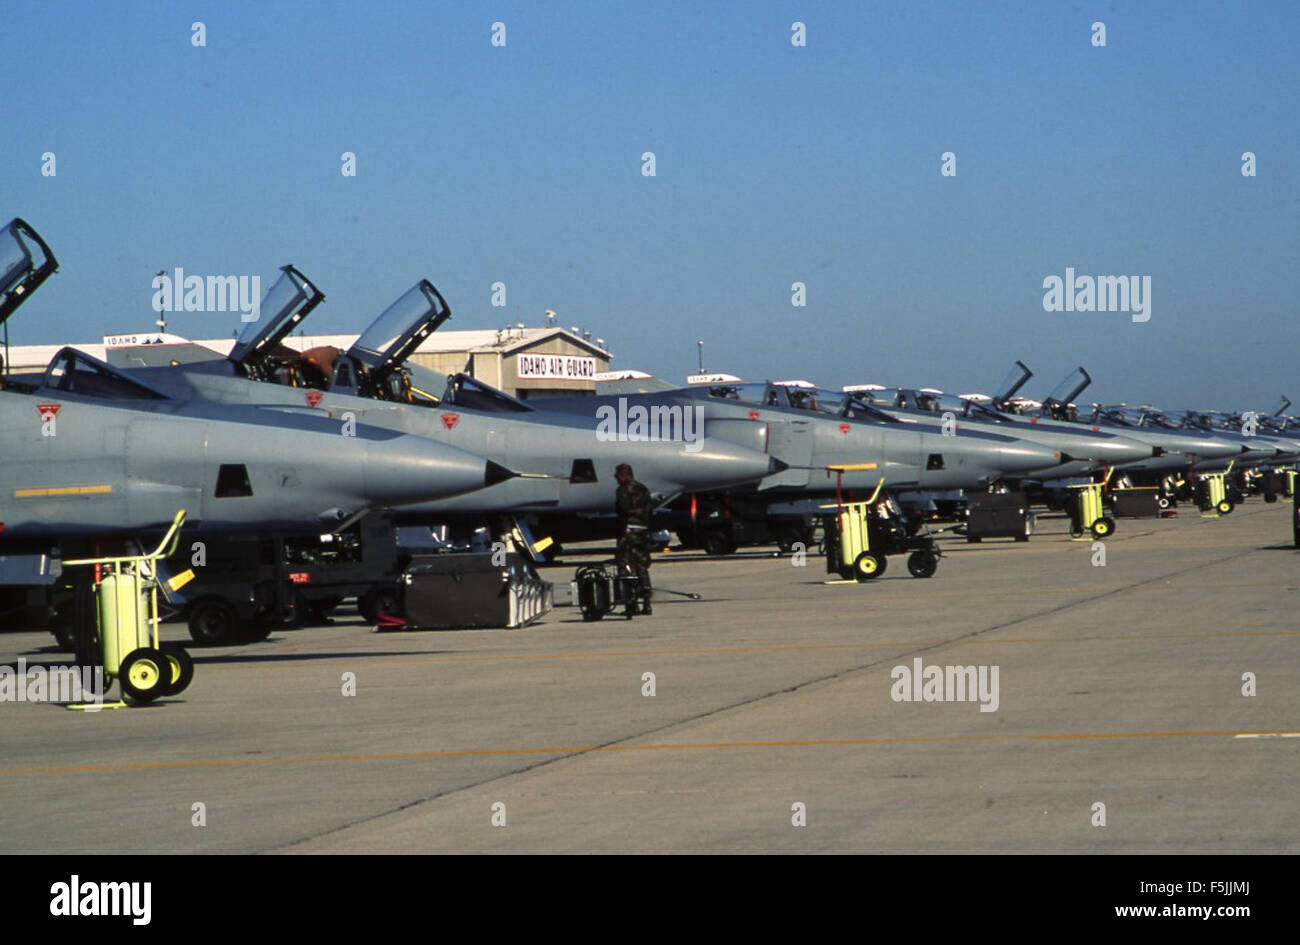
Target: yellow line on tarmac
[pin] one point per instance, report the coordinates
(677, 746)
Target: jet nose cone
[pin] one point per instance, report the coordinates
(1097, 450)
(1260, 448)
(1120, 450)
(1023, 457)
(1210, 448)
(408, 469)
(718, 463)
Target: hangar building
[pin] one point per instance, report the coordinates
(525, 362)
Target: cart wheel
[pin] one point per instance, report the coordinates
(213, 622)
(1224, 507)
(591, 615)
(1163, 501)
(1103, 527)
(922, 564)
(182, 667)
(1270, 496)
(868, 566)
(144, 674)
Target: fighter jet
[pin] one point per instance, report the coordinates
(836, 444)
(1251, 450)
(89, 452)
(1261, 447)
(1276, 425)
(1177, 449)
(835, 440)
(1090, 449)
(567, 463)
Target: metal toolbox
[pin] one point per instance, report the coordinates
(999, 515)
(465, 591)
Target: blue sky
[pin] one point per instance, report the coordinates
(775, 164)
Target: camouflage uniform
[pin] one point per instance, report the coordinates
(632, 502)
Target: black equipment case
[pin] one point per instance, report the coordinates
(463, 591)
(998, 515)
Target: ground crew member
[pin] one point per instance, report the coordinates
(632, 503)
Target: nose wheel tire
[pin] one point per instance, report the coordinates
(213, 622)
(377, 601)
(868, 567)
(145, 674)
(717, 544)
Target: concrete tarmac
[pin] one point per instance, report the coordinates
(1118, 685)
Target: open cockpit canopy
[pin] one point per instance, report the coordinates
(399, 330)
(285, 305)
(1016, 378)
(25, 262)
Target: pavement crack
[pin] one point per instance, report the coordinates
(747, 702)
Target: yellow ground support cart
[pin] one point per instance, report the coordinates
(1212, 493)
(862, 535)
(126, 597)
(1087, 513)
